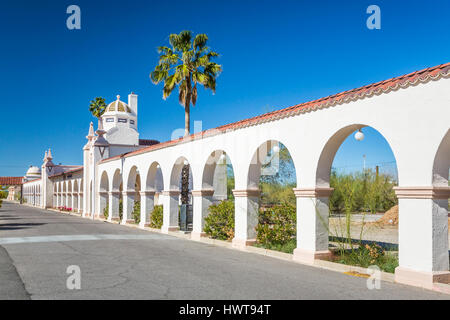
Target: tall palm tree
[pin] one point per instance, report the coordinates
(186, 64)
(97, 107)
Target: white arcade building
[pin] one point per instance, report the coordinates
(412, 112)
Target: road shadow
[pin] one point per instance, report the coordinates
(9, 217)
(18, 226)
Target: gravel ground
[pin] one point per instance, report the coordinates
(371, 231)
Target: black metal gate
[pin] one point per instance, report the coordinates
(186, 217)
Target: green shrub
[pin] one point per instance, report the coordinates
(137, 211)
(156, 217)
(219, 224)
(1, 201)
(370, 254)
(287, 247)
(276, 225)
(3, 192)
(106, 212)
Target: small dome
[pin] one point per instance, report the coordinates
(118, 106)
(34, 171)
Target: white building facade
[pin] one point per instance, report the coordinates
(412, 113)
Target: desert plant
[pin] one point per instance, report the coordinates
(372, 192)
(273, 193)
(370, 254)
(106, 212)
(137, 211)
(357, 252)
(156, 217)
(219, 224)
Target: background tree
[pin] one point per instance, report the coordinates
(97, 107)
(1, 201)
(3, 192)
(277, 188)
(186, 64)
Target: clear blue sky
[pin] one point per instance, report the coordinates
(274, 54)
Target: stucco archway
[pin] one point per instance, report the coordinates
(115, 198)
(75, 196)
(55, 195)
(69, 195)
(172, 196)
(214, 189)
(328, 153)
(131, 194)
(81, 194)
(313, 205)
(104, 194)
(247, 201)
(442, 162)
(151, 195)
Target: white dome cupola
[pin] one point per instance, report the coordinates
(32, 173)
(120, 121)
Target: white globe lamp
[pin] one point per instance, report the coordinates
(359, 135)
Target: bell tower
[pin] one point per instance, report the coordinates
(120, 122)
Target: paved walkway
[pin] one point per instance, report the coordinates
(118, 262)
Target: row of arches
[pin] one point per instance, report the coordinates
(32, 194)
(68, 194)
(139, 182)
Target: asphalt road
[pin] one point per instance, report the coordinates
(119, 262)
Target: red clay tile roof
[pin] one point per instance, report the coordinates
(147, 142)
(29, 181)
(9, 181)
(385, 86)
(77, 168)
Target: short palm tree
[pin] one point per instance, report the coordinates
(97, 107)
(186, 64)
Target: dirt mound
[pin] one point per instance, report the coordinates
(390, 217)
